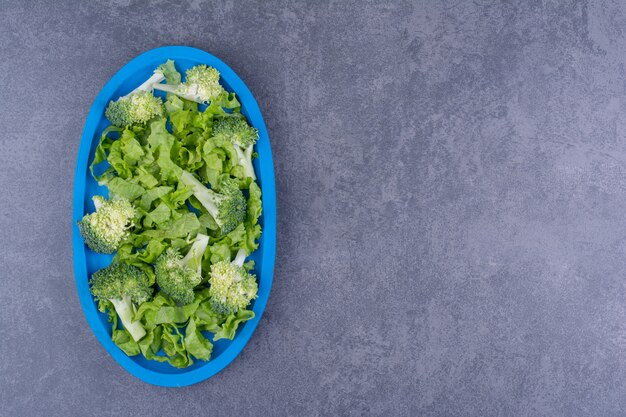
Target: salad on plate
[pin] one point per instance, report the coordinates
(181, 216)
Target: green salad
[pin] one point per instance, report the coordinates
(181, 217)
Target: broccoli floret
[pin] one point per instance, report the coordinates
(232, 287)
(136, 108)
(123, 285)
(139, 106)
(105, 229)
(177, 275)
(201, 85)
(228, 207)
(243, 137)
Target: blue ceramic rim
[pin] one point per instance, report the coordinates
(268, 237)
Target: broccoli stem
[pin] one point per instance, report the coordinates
(206, 197)
(148, 85)
(180, 91)
(245, 160)
(98, 203)
(125, 309)
(240, 258)
(193, 259)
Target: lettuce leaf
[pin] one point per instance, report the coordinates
(197, 345)
(229, 327)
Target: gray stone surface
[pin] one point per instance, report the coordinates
(451, 187)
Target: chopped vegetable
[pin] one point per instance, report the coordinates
(184, 201)
(176, 275)
(123, 285)
(139, 106)
(232, 287)
(243, 137)
(105, 229)
(227, 208)
(202, 85)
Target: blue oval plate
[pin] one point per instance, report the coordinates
(85, 187)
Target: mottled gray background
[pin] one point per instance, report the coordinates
(451, 189)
